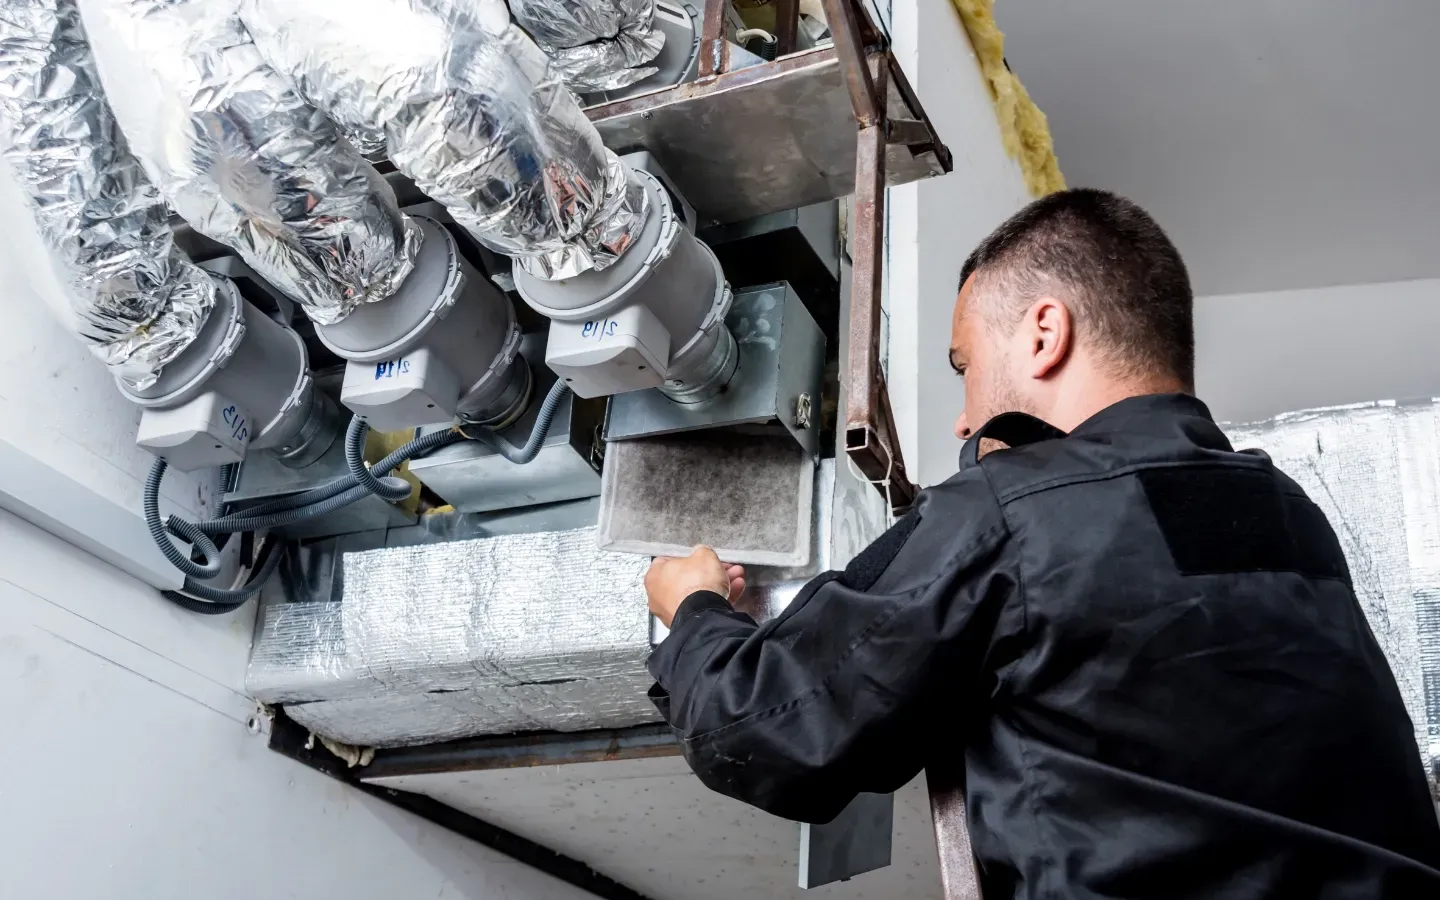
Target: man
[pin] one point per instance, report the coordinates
(1142, 647)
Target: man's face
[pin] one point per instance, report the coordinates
(985, 357)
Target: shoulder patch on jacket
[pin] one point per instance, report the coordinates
(1230, 520)
(866, 568)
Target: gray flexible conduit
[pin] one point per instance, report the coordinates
(212, 601)
(543, 419)
(320, 501)
(392, 489)
(161, 531)
(335, 494)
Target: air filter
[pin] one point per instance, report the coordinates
(747, 496)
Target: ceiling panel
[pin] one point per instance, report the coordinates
(1283, 143)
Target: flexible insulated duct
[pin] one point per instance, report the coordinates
(472, 111)
(243, 158)
(596, 45)
(138, 302)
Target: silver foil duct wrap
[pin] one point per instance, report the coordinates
(1375, 471)
(472, 111)
(243, 158)
(521, 632)
(596, 45)
(137, 301)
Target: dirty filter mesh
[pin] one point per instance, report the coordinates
(747, 496)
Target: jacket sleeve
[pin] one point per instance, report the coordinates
(845, 691)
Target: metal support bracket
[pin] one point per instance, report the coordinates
(871, 440)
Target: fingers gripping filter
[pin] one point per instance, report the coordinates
(656, 318)
(242, 384)
(445, 346)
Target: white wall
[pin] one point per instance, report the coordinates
(1262, 354)
(127, 772)
(62, 418)
(1258, 354)
(933, 225)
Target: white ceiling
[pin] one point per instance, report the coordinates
(652, 826)
(1283, 143)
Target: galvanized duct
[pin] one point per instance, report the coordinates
(596, 45)
(472, 112)
(137, 301)
(1375, 470)
(243, 158)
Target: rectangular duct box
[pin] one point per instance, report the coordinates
(777, 385)
(512, 633)
(1374, 469)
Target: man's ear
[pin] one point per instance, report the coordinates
(1052, 335)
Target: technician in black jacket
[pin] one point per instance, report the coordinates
(1142, 646)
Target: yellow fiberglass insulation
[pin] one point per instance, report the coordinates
(1023, 127)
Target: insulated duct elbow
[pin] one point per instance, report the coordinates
(137, 301)
(243, 158)
(596, 45)
(472, 111)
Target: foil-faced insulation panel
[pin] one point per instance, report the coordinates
(538, 631)
(1374, 469)
(512, 633)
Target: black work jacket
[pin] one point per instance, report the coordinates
(1144, 647)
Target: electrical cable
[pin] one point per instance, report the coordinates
(316, 502)
(161, 531)
(543, 419)
(212, 601)
(362, 481)
(392, 489)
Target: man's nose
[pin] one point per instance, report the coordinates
(962, 427)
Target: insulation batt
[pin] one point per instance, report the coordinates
(243, 158)
(137, 301)
(472, 111)
(1023, 127)
(597, 45)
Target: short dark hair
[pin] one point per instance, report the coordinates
(1128, 286)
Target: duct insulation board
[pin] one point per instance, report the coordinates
(747, 496)
(523, 632)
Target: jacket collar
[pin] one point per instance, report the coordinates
(1159, 416)
(1143, 413)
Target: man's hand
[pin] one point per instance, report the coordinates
(670, 581)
